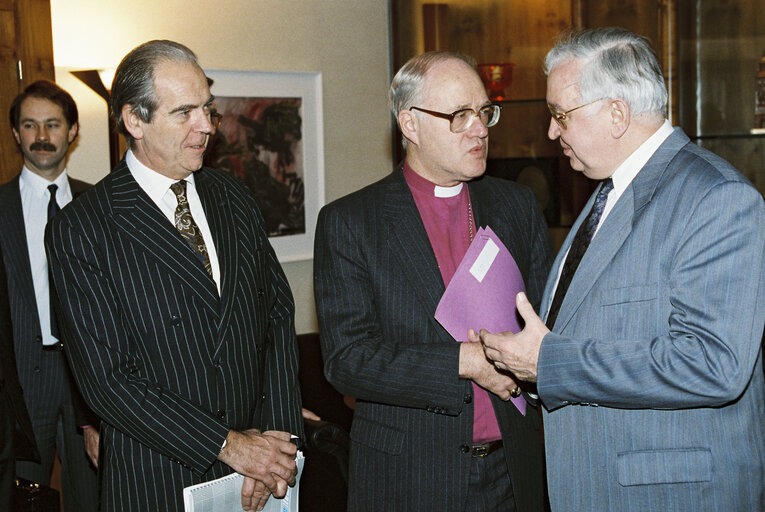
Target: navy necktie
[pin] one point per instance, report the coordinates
(52, 209)
(578, 248)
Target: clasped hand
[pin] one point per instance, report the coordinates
(267, 461)
(515, 353)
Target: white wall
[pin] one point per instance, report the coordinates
(346, 40)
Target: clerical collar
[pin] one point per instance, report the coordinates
(426, 186)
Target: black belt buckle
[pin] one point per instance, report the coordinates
(56, 347)
(483, 450)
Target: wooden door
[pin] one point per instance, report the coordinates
(26, 55)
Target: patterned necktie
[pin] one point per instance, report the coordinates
(578, 248)
(52, 210)
(186, 226)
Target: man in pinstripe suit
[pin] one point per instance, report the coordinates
(652, 376)
(178, 318)
(44, 122)
(432, 428)
(16, 435)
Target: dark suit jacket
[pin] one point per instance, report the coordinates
(21, 296)
(24, 440)
(377, 285)
(166, 363)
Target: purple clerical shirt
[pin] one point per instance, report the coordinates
(445, 212)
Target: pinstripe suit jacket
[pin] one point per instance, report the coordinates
(168, 364)
(377, 286)
(36, 379)
(652, 377)
(24, 440)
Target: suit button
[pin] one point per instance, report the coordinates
(464, 448)
(220, 414)
(263, 397)
(467, 399)
(430, 408)
(261, 292)
(175, 320)
(37, 369)
(38, 339)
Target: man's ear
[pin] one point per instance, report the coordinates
(409, 125)
(133, 123)
(620, 117)
(16, 135)
(73, 131)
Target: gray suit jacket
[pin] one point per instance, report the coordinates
(377, 285)
(652, 377)
(166, 363)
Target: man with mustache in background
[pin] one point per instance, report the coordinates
(44, 121)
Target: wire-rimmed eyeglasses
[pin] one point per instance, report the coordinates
(562, 117)
(215, 119)
(460, 120)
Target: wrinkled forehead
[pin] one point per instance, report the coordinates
(40, 110)
(563, 83)
(453, 84)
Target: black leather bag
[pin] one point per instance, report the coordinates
(33, 497)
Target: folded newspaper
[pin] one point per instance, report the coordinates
(225, 494)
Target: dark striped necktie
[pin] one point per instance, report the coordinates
(578, 248)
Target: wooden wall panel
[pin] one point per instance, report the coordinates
(25, 35)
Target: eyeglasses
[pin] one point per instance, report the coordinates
(562, 117)
(460, 120)
(215, 119)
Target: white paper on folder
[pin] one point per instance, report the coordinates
(225, 494)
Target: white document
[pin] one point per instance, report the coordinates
(225, 494)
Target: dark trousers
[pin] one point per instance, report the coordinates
(490, 489)
(56, 431)
(7, 458)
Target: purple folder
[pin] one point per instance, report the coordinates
(481, 294)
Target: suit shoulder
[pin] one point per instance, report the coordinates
(221, 178)
(10, 187)
(366, 198)
(704, 166)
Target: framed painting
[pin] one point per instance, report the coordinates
(269, 135)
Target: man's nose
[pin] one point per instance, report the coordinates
(553, 131)
(204, 122)
(477, 128)
(42, 134)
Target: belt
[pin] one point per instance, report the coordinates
(56, 347)
(482, 450)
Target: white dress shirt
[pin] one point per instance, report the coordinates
(35, 197)
(625, 173)
(157, 186)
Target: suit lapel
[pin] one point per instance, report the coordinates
(17, 251)
(220, 218)
(612, 233)
(141, 222)
(409, 244)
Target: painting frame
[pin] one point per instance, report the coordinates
(288, 84)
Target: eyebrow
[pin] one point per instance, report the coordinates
(181, 108)
(465, 106)
(33, 120)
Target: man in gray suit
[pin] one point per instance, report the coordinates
(651, 378)
(178, 318)
(44, 122)
(433, 428)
